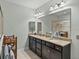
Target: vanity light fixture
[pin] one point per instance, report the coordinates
(57, 5)
(38, 15)
(53, 8)
(41, 16)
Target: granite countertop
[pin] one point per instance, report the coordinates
(60, 42)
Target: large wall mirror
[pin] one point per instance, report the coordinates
(39, 27)
(31, 26)
(59, 23)
(35, 27)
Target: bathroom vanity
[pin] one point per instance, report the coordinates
(47, 48)
(57, 24)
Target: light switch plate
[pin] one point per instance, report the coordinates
(77, 37)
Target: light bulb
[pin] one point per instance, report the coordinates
(56, 6)
(51, 8)
(38, 15)
(62, 4)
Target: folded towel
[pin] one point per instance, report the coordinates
(6, 57)
(12, 54)
(6, 50)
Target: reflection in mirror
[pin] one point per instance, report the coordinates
(31, 27)
(39, 27)
(58, 23)
(61, 26)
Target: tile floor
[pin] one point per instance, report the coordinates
(26, 55)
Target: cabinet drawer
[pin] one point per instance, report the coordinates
(43, 42)
(38, 40)
(38, 52)
(45, 52)
(55, 54)
(30, 37)
(34, 39)
(50, 45)
(38, 45)
(58, 48)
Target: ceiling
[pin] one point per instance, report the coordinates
(30, 3)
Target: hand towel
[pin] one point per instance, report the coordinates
(6, 50)
(12, 54)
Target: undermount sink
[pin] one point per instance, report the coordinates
(55, 40)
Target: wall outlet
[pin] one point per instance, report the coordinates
(77, 37)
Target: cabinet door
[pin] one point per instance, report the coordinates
(52, 54)
(55, 54)
(38, 47)
(38, 52)
(38, 44)
(33, 45)
(45, 52)
(30, 43)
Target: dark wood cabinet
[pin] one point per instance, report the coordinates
(38, 47)
(38, 44)
(47, 50)
(38, 52)
(32, 44)
(54, 54)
